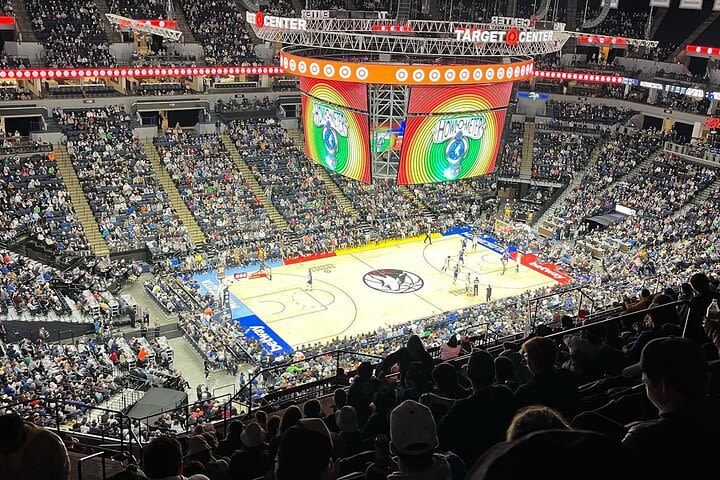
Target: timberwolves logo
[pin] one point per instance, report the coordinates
(389, 280)
(330, 141)
(457, 132)
(334, 125)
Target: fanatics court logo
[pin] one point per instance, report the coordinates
(389, 280)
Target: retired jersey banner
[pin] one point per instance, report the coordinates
(614, 4)
(717, 6)
(691, 4)
(660, 3)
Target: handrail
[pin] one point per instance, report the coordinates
(80, 464)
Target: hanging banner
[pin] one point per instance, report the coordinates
(614, 4)
(717, 6)
(660, 3)
(691, 4)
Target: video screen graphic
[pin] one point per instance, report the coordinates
(337, 138)
(441, 148)
(343, 94)
(385, 139)
(458, 99)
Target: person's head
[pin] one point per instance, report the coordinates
(413, 436)
(453, 341)
(416, 376)
(193, 467)
(312, 409)
(307, 448)
(384, 399)
(662, 316)
(261, 417)
(566, 322)
(253, 436)
(346, 419)
(686, 289)
(289, 418)
(481, 369)
(504, 369)
(365, 370)
(339, 398)
(162, 457)
(273, 425)
(644, 293)
(700, 282)
(445, 377)
(533, 418)
(199, 449)
(234, 429)
(673, 369)
(540, 353)
(415, 345)
(13, 433)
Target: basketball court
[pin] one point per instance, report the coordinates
(362, 289)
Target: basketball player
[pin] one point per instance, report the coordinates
(468, 283)
(517, 261)
(463, 244)
(476, 286)
(475, 241)
(309, 280)
(456, 273)
(461, 257)
(446, 266)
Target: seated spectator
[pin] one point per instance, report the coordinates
(252, 460)
(533, 419)
(474, 424)
(680, 442)
(307, 448)
(552, 387)
(162, 460)
(352, 440)
(28, 451)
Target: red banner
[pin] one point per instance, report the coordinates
(602, 40)
(583, 77)
(7, 20)
(699, 49)
(153, 23)
(531, 261)
(713, 122)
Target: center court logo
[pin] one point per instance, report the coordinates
(390, 280)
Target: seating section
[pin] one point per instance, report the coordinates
(140, 9)
(580, 112)
(510, 158)
(558, 155)
(457, 203)
(35, 201)
(219, 26)
(293, 183)
(71, 33)
(214, 190)
(131, 208)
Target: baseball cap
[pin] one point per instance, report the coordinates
(412, 429)
(252, 436)
(346, 419)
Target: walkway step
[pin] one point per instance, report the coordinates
(113, 35)
(22, 18)
(79, 201)
(422, 208)
(528, 146)
(176, 200)
(253, 183)
(182, 23)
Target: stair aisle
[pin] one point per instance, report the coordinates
(112, 34)
(22, 18)
(77, 196)
(528, 146)
(182, 23)
(176, 200)
(253, 183)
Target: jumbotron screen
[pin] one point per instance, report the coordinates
(452, 133)
(459, 99)
(440, 148)
(337, 138)
(343, 94)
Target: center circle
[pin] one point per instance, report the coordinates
(390, 280)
